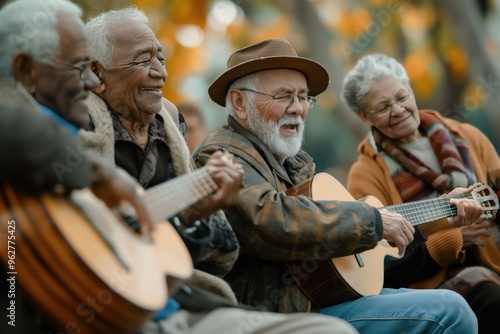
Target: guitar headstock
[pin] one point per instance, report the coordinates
(487, 198)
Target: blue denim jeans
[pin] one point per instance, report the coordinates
(398, 311)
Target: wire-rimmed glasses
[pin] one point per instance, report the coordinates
(287, 99)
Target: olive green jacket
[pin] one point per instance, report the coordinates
(273, 228)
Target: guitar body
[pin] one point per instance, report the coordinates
(81, 281)
(342, 278)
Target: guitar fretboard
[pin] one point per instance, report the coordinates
(427, 210)
(169, 198)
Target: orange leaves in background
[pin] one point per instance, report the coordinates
(188, 60)
(189, 12)
(141, 4)
(458, 62)
(237, 29)
(418, 19)
(419, 66)
(178, 11)
(167, 18)
(351, 23)
(276, 29)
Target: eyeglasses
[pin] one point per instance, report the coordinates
(399, 100)
(82, 66)
(286, 99)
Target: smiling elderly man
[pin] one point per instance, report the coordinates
(135, 127)
(44, 79)
(268, 91)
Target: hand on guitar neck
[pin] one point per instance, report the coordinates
(468, 210)
(228, 177)
(399, 232)
(349, 277)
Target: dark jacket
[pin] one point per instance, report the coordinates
(273, 227)
(37, 154)
(36, 151)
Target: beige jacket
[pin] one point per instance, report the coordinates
(101, 141)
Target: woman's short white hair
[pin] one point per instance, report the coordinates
(30, 27)
(100, 38)
(367, 70)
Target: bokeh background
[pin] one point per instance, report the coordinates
(450, 48)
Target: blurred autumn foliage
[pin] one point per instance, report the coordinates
(450, 49)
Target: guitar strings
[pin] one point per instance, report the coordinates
(426, 210)
(168, 198)
(433, 209)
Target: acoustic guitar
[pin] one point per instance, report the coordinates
(83, 267)
(340, 279)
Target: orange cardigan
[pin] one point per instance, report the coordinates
(369, 175)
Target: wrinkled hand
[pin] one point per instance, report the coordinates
(459, 191)
(468, 210)
(116, 187)
(397, 230)
(471, 234)
(228, 176)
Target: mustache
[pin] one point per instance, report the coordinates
(290, 120)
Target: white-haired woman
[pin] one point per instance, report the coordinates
(413, 154)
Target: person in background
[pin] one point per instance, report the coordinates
(133, 126)
(412, 154)
(196, 128)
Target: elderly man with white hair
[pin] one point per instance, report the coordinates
(142, 132)
(290, 226)
(44, 80)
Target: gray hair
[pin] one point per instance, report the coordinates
(30, 27)
(250, 81)
(367, 70)
(101, 40)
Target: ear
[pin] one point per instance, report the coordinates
(26, 71)
(98, 71)
(239, 103)
(365, 117)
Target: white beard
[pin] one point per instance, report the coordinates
(269, 133)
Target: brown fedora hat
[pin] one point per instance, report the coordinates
(266, 55)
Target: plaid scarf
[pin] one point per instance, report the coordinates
(416, 180)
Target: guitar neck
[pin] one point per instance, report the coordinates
(425, 211)
(169, 198)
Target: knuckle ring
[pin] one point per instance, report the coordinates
(476, 242)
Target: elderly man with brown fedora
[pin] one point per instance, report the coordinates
(135, 127)
(287, 238)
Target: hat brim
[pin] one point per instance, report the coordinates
(316, 75)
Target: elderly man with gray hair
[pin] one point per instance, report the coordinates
(135, 127)
(287, 220)
(44, 80)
